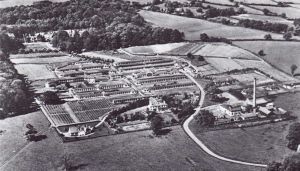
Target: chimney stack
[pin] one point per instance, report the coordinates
(254, 95)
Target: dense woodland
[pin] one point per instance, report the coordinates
(115, 24)
(14, 94)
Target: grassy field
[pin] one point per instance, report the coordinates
(194, 27)
(35, 71)
(49, 60)
(12, 140)
(257, 2)
(260, 144)
(290, 12)
(280, 54)
(264, 18)
(38, 45)
(153, 49)
(133, 151)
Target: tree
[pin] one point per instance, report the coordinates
(190, 55)
(293, 136)
(268, 37)
(274, 166)
(50, 97)
(204, 37)
(287, 36)
(261, 53)
(266, 11)
(206, 118)
(291, 163)
(293, 69)
(156, 124)
(155, 2)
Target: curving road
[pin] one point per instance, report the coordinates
(200, 143)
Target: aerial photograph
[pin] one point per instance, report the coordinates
(149, 85)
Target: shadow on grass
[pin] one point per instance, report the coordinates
(76, 167)
(163, 132)
(40, 138)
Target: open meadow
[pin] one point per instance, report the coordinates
(192, 27)
(261, 144)
(291, 12)
(35, 71)
(49, 60)
(133, 151)
(264, 18)
(280, 54)
(38, 45)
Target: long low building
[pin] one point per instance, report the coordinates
(157, 65)
(143, 61)
(160, 78)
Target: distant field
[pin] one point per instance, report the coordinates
(227, 2)
(38, 45)
(290, 12)
(252, 11)
(153, 49)
(101, 55)
(35, 71)
(224, 50)
(261, 144)
(271, 19)
(37, 55)
(49, 60)
(279, 54)
(10, 3)
(194, 27)
(257, 1)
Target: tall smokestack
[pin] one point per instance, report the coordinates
(254, 93)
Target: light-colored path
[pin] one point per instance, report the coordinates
(200, 143)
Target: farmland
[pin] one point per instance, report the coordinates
(272, 19)
(276, 55)
(257, 2)
(290, 12)
(38, 45)
(194, 27)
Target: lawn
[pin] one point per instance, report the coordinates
(194, 27)
(260, 144)
(132, 151)
(280, 54)
(35, 71)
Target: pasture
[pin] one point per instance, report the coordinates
(280, 54)
(225, 51)
(223, 64)
(291, 12)
(270, 2)
(153, 49)
(247, 78)
(192, 27)
(264, 18)
(35, 71)
(44, 60)
(132, 151)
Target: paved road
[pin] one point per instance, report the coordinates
(200, 143)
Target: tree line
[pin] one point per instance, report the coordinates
(260, 25)
(115, 24)
(14, 93)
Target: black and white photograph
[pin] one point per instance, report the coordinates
(149, 85)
